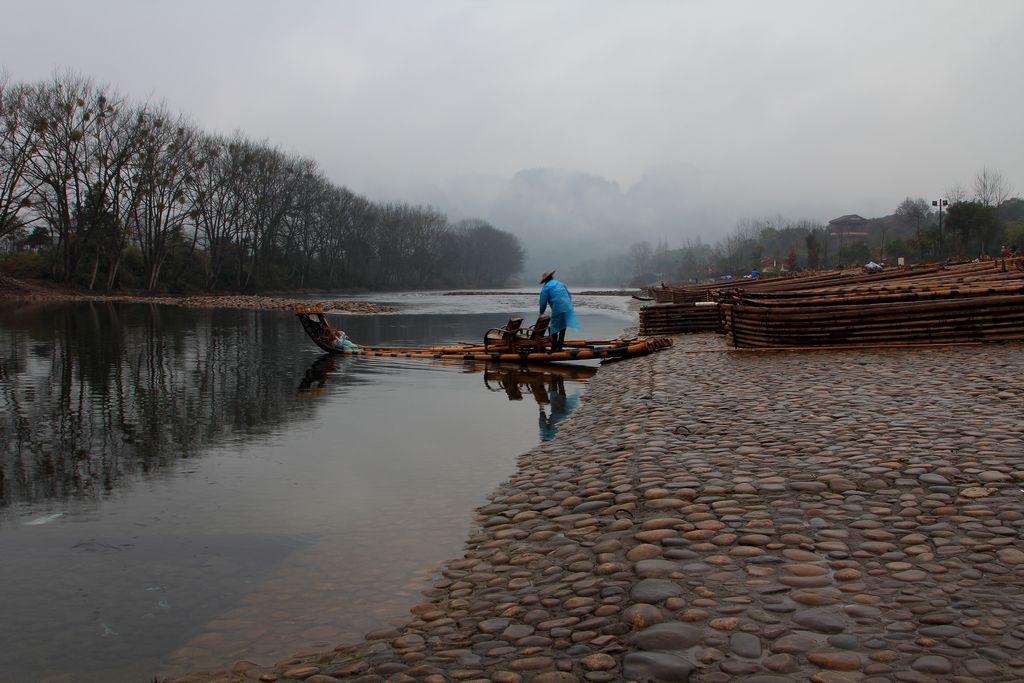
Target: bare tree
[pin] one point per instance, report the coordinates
(990, 187)
(216, 198)
(956, 193)
(166, 165)
(640, 254)
(18, 133)
(84, 142)
(912, 212)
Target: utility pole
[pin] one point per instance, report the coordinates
(940, 203)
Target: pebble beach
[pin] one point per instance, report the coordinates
(708, 515)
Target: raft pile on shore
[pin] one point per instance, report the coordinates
(939, 303)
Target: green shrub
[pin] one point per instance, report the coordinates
(25, 264)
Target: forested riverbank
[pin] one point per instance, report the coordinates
(105, 193)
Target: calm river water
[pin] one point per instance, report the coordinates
(181, 489)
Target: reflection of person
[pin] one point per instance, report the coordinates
(560, 405)
(557, 295)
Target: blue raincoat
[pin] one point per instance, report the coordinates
(562, 315)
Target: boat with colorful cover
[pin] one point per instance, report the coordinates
(510, 343)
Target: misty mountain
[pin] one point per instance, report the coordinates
(567, 216)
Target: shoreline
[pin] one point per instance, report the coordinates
(16, 291)
(716, 516)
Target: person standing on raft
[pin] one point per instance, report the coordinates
(557, 295)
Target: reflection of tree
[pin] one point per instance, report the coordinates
(93, 394)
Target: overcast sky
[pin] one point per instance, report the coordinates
(808, 109)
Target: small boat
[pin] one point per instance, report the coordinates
(510, 343)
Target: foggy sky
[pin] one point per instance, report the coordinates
(696, 113)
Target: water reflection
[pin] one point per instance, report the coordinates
(546, 386)
(182, 488)
(559, 406)
(95, 393)
(317, 375)
(545, 383)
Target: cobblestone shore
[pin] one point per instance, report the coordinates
(761, 517)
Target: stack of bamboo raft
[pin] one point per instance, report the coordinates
(678, 318)
(930, 304)
(682, 309)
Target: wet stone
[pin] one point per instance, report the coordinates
(555, 677)
(531, 663)
(745, 645)
(517, 631)
(656, 568)
(493, 625)
(739, 667)
(644, 551)
(823, 621)
(656, 666)
(592, 505)
(655, 590)
(932, 664)
(668, 636)
(642, 615)
(598, 662)
(843, 641)
(842, 661)
(794, 644)
(781, 663)
(981, 667)
(942, 631)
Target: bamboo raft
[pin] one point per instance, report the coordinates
(679, 318)
(932, 304)
(510, 346)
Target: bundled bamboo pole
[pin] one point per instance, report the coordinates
(678, 318)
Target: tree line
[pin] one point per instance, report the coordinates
(974, 222)
(107, 193)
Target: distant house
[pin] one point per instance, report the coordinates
(850, 225)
